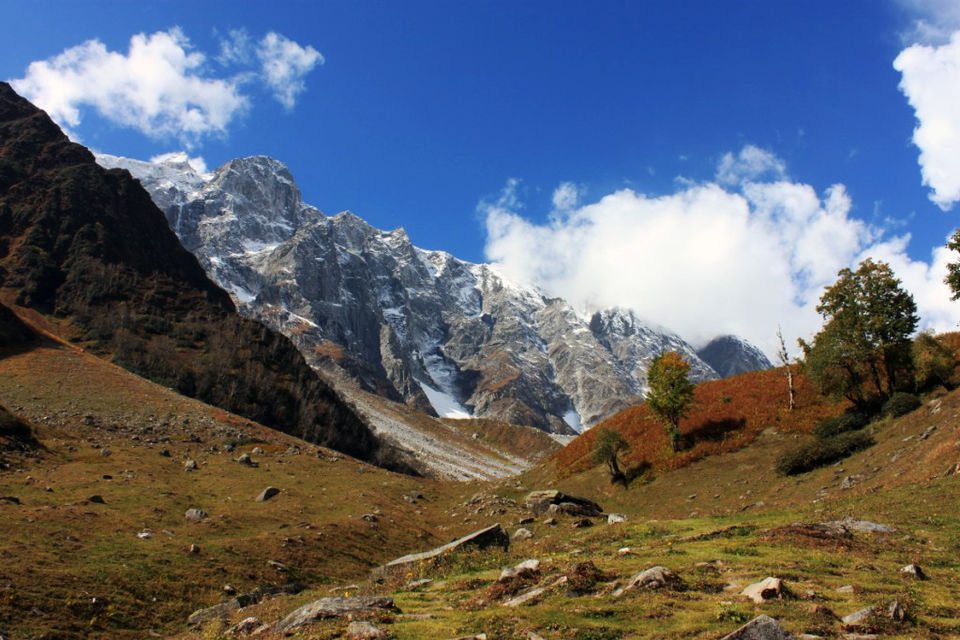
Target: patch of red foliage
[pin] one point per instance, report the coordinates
(726, 415)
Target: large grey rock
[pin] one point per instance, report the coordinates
(493, 536)
(767, 589)
(760, 628)
(553, 501)
(333, 607)
(403, 319)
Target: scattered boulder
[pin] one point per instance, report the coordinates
(363, 630)
(267, 493)
(526, 569)
(550, 522)
(333, 607)
(581, 523)
(760, 628)
(96, 499)
(105, 452)
(195, 515)
(10, 499)
(896, 612)
(532, 594)
(656, 577)
(190, 465)
(860, 526)
(257, 451)
(247, 461)
(493, 536)
(164, 453)
(539, 502)
(194, 548)
(278, 566)
(858, 619)
(767, 589)
(913, 571)
(416, 584)
(224, 609)
(245, 627)
(522, 534)
(144, 535)
(616, 518)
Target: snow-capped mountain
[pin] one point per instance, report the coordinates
(420, 326)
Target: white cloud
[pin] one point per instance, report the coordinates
(566, 196)
(934, 20)
(707, 260)
(931, 82)
(162, 86)
(235, 48)
(284, 64)
(752, 163)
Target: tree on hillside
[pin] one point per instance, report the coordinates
(670, 393)
(606, 450)
(863, 349)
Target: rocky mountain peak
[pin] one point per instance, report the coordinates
(730, 355)
(447, 336)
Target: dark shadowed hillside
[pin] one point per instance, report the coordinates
(88, 247)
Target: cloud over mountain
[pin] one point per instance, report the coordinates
(162, 86)
(740, 258)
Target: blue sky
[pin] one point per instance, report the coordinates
(505, 130)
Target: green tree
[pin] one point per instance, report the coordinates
(607, 448)
(670, 393)
(864, 348)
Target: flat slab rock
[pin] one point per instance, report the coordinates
(333, 607)
(493, 536)
(760, 628)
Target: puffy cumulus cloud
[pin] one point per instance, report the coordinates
(163, 87)
(707, 260)
(750, 164)
(285, 64)
(931, 82)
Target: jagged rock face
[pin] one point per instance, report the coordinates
(729, 355)
(422, 326)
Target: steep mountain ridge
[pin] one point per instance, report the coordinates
(89, 247)
(730, 355)
(441, 334)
